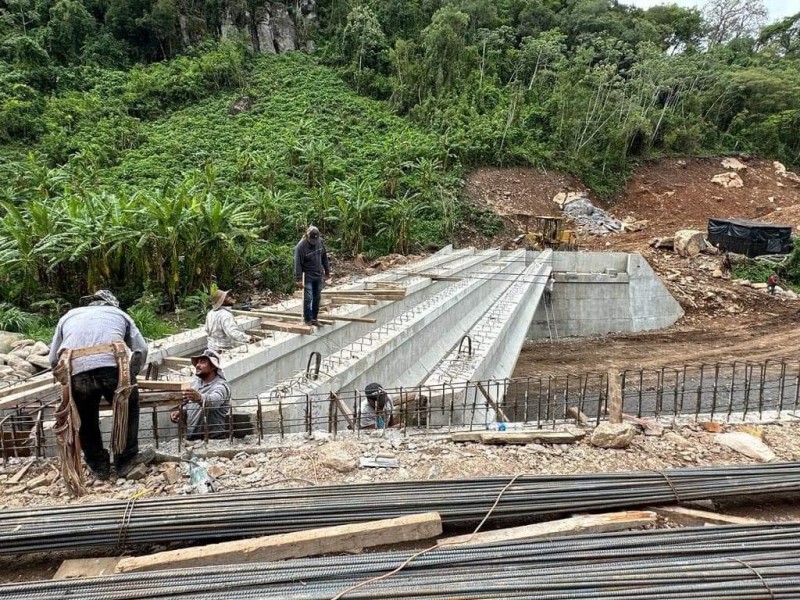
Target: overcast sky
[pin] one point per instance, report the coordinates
(777, 8)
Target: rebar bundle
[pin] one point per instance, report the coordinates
(463, 502)
(714, 563)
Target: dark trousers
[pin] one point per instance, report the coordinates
(312, 296)
(88, 389)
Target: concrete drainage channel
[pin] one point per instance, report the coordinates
(464, 316)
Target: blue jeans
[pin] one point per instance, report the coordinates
(312, 296)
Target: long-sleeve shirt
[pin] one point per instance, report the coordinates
(216, 397)
(223, 331)
(91, 326)
(311, 260)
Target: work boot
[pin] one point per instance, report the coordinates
(316, 322)
(100, 471)
(145, 457)
(308, 323)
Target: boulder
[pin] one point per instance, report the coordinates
(746, 444)
(728, 180)
(21, 365)
(759, 286)
(689, 242)
(7, 340)
(613, 435)
(673, 437)
(5, 370)
(172, 474)
(338, 456)
(40, 348)
(733, 164)
(779, 168)
(23, 352)
(43, 362)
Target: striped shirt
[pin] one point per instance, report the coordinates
(93, 325)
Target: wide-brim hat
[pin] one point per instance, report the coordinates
(218, 298)
(212, 356)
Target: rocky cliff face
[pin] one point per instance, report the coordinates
(271, 26)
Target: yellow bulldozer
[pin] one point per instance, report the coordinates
(548, 232)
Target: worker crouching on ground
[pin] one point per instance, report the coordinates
(90, 358)
(211, 393)
(376, 408)
(222, 330)
(311, 269)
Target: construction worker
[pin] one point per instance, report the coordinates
(90, 358)
(376, 408)
(311, 269)
(222, 330)
(548, 287)
(206, 406)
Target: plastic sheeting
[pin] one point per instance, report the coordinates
(751, 238)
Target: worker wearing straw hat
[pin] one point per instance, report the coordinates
(222, 330)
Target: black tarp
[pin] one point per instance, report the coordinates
(751, 238)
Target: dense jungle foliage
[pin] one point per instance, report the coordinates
(124, 164)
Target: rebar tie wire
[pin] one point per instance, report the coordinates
(669, 482)
(123, 527)
(757, 574)
(405, 563)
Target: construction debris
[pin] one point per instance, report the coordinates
(690, 517)
(515, 437)
(728, 180)
(577, 207)
(746, 444)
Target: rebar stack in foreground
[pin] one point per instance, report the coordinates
(730, 562)
(113, 525)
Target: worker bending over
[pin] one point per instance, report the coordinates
(222, 330)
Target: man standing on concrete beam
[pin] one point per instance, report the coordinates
(311, 269)
(90, 359)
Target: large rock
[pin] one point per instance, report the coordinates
(20, 365)
(338, 456)
(733, 164)
(746, 444)
(563, 198)
(728, 180)
(7, 340)
(689, 242)
(23, 353)
(613, 435)
(40, 348)
(43, 362)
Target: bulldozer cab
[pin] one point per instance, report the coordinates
(549, 232)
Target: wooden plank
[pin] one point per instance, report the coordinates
(28, 385)
(614, 397)
(299, 315)
(342, 538)
(21, 473)
(287, 327)
(515, 437)
(30, 395)
(344, 410)
(172, 386)
(492, 402)
(86, 567)
(692, 516)
(160, 398)
(579, 524)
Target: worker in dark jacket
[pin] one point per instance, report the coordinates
(311, 269)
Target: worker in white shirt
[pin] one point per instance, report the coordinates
(222, 330)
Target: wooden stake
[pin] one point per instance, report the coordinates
(614, 397)
(492, 402)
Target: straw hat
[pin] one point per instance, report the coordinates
(218, 298)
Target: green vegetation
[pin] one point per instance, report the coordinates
(124, 164)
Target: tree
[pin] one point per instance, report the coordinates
(680, 28)
(445, 44)
(729, 19)
(70, 25)
(363, 42)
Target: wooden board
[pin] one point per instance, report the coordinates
(39, 392)
(86, 567)
(287, 327)
(160, 398)
(614, 397)
(342, 538)
(692, 516)
(172, 386)
(299, 315)
(177, 362)
(344, 410)
(28, 385)
(492, 402)
(578, 524)
(515, 437)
